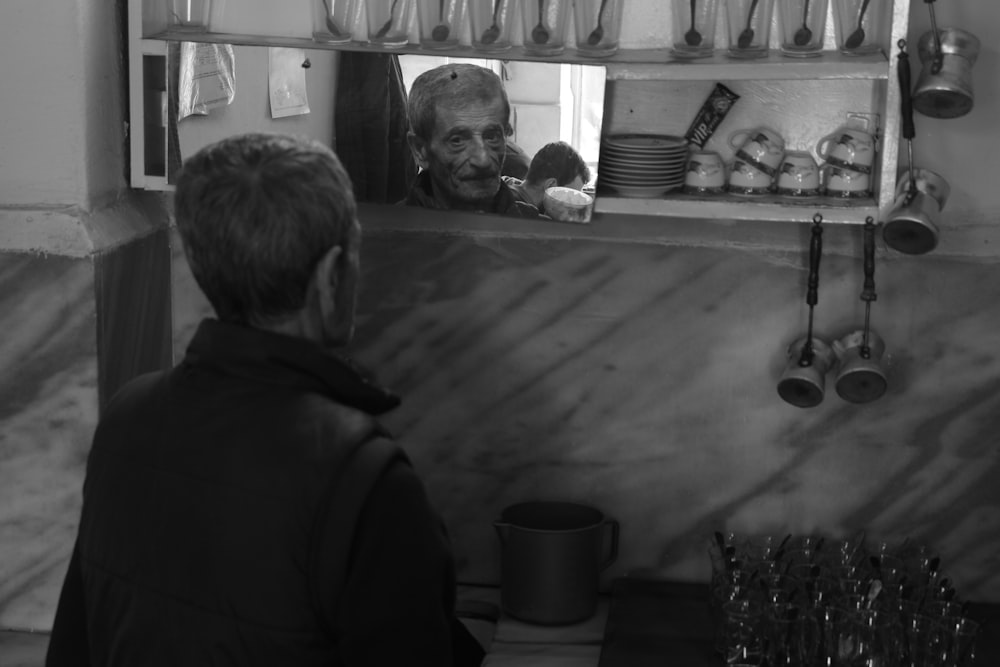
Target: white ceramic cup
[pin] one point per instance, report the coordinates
(848, 147)
(747, 179)
(845, 183)
(762, 147)
(798, 175)
(567, 204)
(705, 174)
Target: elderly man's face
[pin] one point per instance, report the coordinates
(465, 154)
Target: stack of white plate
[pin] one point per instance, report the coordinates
(642, 165)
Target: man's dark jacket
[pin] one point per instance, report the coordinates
(210, 533)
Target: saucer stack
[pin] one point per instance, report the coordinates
(642, 165)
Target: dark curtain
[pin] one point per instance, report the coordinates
(370, 126)
(174, 157)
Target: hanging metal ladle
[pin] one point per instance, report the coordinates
(860, 377)
(803, 384)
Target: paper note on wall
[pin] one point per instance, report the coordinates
(206, 78)
(287, 82)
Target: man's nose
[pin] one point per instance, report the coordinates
(480, 153)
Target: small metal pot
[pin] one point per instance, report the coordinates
(552, 556)
(944, 88)
(911, 226)
(802, 383)
(860, 375)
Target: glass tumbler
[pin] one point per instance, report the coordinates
(740, 638)
(545, 23)
(189, 15)
(694, 27)
(598, 23)
(388, 22)
(858, 25)
(959, 641)
(749, 27)
(333, 20)
(803, 23)
(490, 20)
(440, 22)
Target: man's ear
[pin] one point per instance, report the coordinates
(549, 183)
(419, 149)
(324, 282)
(334, 282)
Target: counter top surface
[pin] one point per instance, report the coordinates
(644, 622)
(641, 622)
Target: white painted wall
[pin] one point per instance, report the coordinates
(61, 110)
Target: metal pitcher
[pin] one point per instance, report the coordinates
(944, 88)
(911, 226)
(803, 381)
(552, 556)
(860, 375)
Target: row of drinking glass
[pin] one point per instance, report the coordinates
(857, 23)
(789, 635)
(491, 23)
(803, 601)
(441, 24)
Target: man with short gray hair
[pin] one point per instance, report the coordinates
(247, 507)
(459, 123)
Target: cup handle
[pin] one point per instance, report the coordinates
(742, 134)
(613, 555)
(823, 146)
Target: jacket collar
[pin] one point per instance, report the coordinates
(272, 358)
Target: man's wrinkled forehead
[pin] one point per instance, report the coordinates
(469, 114)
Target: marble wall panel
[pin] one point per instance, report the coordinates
(76, 329)
(642, 380)
(48, 410)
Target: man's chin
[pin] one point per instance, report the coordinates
(479, 191)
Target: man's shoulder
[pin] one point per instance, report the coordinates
(509, 202)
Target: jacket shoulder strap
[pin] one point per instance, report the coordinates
(338, 518)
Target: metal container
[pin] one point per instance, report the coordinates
(860, 375)
(552, 556)
(912, 225)
(944, 88)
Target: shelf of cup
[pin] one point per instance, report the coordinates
(783, 230)
(730, 207)
(660, 64)
(626, 64)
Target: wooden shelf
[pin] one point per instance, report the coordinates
(627, 64)
(736, 208)
(615, 226)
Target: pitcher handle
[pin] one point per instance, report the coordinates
(613, 556)
(502, 529)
